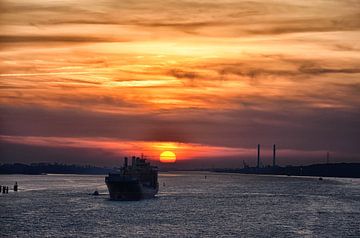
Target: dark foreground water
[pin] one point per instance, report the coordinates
(222, 205)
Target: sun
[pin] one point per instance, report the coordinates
(167, 157)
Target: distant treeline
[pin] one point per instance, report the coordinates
(347, 170)
(55, 168)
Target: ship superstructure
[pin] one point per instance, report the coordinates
(133, 182)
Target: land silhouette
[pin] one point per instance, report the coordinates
(54, 168)
(350, 170)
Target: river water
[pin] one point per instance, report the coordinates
(188, 205)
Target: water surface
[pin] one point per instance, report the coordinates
(189, 205)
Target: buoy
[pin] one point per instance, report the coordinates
(320, 178)
(15, 187)
(96, 193)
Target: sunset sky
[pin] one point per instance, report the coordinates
(91, 81)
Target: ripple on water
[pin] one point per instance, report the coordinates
(222, 205)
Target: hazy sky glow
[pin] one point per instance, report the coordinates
(206, 79)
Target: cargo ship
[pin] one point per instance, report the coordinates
(133, 182)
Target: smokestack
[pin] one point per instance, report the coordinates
(258, 159)
(274, 155)
(125, 162)
(133, 161)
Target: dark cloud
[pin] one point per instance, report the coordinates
(287, 28)
(289, 123)
(301, 129)
(181, 74)
(22, 153)
(344, 47)
(236, 18)
(4, 87)
(348, 88)
(75, 123)
(93, 21)
(187, 27)
(93, 100)
(299, 67)
(313, 69)
(254, 72)
(81, 81)
(17, 7)
(55, 38)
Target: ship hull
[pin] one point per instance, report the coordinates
(129, 190)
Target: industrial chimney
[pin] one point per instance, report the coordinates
(274, 155)
(133, 161)
(125, 162)
(258, 158)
